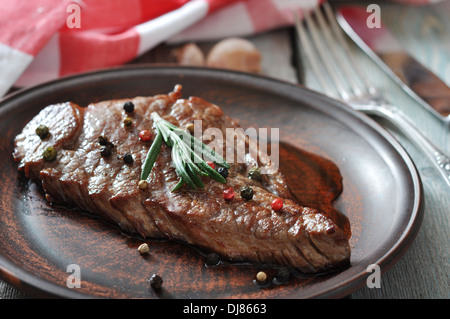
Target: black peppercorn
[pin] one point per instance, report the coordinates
(223, 171)
(102, 140)
(105, 151)
(156, 282)
(283, 275)
(212, 259)
(105, 142)
(247, 192)
(128, 107)
(128, 158)
(42, 131)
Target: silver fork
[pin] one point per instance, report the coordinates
(357, 92)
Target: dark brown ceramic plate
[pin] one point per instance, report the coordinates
(382, 194)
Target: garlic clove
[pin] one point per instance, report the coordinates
(235, 54)
(190, 55)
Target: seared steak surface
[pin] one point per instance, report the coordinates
(238, 230)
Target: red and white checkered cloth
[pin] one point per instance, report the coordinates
(42, 40)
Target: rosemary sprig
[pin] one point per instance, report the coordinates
(187, 155)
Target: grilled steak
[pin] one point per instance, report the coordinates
(238, 230)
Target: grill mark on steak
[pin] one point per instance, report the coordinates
(238, 230)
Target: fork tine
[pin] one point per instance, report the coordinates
(325, 51)
(369, 103)
(343, 59)
(357, 76)
(311, 56)
(326, 61)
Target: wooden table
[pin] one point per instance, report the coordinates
(424, 270)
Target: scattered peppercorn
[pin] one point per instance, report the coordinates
(247, 192)
(105, 151)
(143, 248)
(156, 282)
(143, 184)
(223, 171)
(283, 275)
(228, 194)
(49, 154)
(42, 131)
(212, 259)
(145, 135)
(211, 164)
(127, 121)
(277, 204)
(103, 140)
(261, 277)
(190, 127)
(128, 158)
(255, 173)
(128, 107)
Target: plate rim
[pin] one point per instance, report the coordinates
(26, 281)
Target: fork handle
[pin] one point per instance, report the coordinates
(440, 160)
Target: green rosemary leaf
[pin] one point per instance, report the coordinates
(191, 168)
(211, 172)
(180, 167)
(199, 147)
(187, 153)
(151, 157)
(165, 133)
(178, 186)
(208, 152)
(203, 166)
(194, 167)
